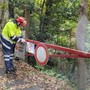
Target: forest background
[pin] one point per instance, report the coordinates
(53, 22)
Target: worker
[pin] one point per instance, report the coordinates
(11, 34)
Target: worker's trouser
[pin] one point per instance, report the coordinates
(8, 51)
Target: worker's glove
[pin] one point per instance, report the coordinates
(23, 40)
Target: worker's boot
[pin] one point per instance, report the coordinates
(11, 73)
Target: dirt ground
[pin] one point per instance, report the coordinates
(29, 78)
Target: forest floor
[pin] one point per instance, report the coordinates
(28, 78)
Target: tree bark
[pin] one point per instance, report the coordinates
(11, 9)
(3, 13)
(82, 70)
(27, 27)
(82, 80)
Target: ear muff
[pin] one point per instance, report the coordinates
(23, 23)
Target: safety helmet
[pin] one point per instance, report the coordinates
(21, 20)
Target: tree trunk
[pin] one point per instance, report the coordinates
(27, 27)
(82, 80)
(3, 13)
(80, 37)
(11, 9)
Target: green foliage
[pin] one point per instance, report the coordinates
(62, 16)
(50, 72)
(24, 3)
(46, 70)
(41, 68)
(4, 6)
(89, 10)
